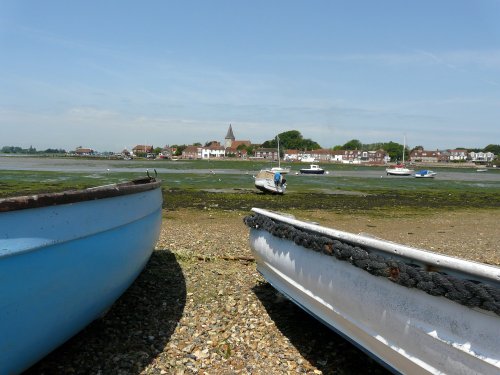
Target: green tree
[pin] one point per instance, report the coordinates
(292, 139)
(179, 149)
(353, 144)
(395, 151)
(492, 148)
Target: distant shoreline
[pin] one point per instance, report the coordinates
(252, 160)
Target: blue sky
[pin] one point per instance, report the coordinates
(113, 74)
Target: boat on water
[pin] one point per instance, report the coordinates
(270, 182)
(400, 169)
(413, 310)
(313, 169)
(65, 258)
(425, 173)
(481, 170)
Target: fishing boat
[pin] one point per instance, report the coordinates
(65, 258)
(313, 169)
(266, 181)
(415, 311)
(425, 173)
(400, 169)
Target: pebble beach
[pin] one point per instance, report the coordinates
(200, 306)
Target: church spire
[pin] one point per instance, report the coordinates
(230, 134)
(229, 137)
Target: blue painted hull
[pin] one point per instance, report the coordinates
(63, 266)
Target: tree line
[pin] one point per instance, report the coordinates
(291, 139)
(30, 150)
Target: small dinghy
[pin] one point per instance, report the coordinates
(65, 258)
(425, 173)
(413, 310)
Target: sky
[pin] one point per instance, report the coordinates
(111, 74)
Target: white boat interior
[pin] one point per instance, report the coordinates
(265, 182)
(413, 310)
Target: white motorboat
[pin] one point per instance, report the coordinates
(415, 311)
(265, 181)
(313, 169)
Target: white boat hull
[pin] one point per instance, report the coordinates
(407, 329)
(264, 181)
(399, 171)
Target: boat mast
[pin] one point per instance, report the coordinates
(279, 157)
(404, 148)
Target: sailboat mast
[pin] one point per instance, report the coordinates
(404, 148)
(279, 156)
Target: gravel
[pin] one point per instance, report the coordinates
(200, 307)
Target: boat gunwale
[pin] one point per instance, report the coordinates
(82, 195)
(463, 268)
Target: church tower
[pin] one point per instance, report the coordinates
(229, 137)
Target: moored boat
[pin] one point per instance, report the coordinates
(65, 258)
(313, 169)
(266, 181)
(413, 310)
(399, 170)
(425, 173)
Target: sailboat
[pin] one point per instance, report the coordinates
(272, 180)
(279, 168)
(400, 169)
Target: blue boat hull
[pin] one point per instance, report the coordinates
(63, 266)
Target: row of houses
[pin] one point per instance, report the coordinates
(457, 155)
(216, 151)
(338, 156)
(233, 148)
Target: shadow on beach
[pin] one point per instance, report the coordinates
(134, 331)
(318, 344)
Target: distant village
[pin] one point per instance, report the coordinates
(239, 149)
(233, 148)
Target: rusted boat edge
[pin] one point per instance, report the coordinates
(74, 196)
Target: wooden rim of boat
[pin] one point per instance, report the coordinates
(74, 196)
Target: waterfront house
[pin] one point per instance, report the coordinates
(267, 153)
(82, 151)
(458, 155)
(423, 156)
(481, 157)
(291, 155)
(142, 150)
(191, 152)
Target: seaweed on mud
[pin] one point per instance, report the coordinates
(177, 199)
